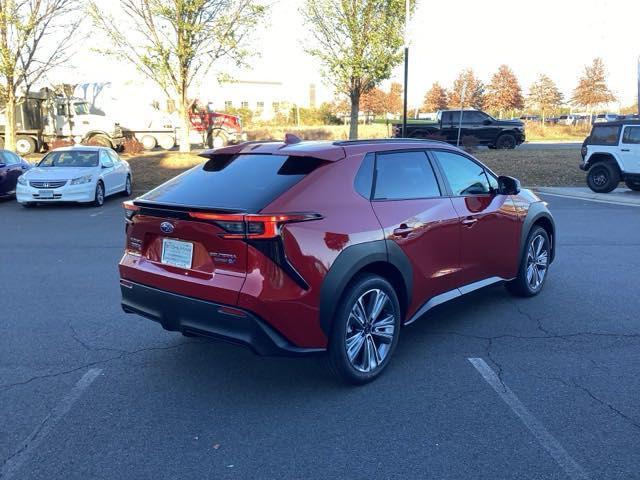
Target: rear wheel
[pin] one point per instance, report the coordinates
(127, 187)
(534, 265)
(365, 330)
(603, 177)
(99, 198)
(633, 184)
(25, 145)
(149, 142)
(167, 142)
(506, 141)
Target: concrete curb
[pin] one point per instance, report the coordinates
(620, 196)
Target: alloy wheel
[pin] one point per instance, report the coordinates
(370, 330)
(537, 262)
(100, 194)
(599, 177)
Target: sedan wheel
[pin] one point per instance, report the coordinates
(99, 198)
(127, 187)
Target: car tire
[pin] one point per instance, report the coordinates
(99, 195)
(506, 141)
(603, 177)
(373, 338)
(633, 185)
(534, 265)
(167, 142)
(127, 187)
(25, 145)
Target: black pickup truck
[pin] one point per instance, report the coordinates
(486, 129)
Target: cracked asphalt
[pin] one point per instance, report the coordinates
(168, 407)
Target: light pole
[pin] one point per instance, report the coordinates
(639, 85)
(406, 67)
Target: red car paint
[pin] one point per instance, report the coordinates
(449, 241)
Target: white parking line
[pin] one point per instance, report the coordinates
(550, 444)
(596, 200)
(28, 446)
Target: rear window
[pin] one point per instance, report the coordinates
(234, 182)
(604, 135)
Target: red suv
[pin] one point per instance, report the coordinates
(296, 248)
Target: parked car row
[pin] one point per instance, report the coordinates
(83, 174)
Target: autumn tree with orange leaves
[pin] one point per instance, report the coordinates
(467, 90)
(504, 93)
(435, 99)
(592, 90)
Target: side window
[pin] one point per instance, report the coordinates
(404, 176)
(114, 156)
(364, 178)
(465, 176)
(105, 159)
(474, 117)
(631, 135)
(604, 135)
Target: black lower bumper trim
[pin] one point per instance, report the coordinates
(208, 319)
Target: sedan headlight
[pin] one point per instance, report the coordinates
(81, 180)
(22, 180)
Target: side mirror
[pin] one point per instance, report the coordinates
(508, 185)
(486, 122)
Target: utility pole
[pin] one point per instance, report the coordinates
(638, 85)
(462, 94)
(406, 67)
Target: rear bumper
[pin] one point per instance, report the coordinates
(227, 323)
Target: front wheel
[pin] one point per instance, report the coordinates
(534, 265)
(99, 198)
(25, 145)
(365, 330)
(633, 185)
(127, 187)
(603, 178)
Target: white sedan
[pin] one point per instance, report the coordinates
(75, 174)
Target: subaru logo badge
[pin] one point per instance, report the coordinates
(166, 227)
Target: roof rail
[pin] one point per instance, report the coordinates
(385, 140)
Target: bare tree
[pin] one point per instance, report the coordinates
(173, 42)
(36, 36)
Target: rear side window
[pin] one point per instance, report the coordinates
(403, 176)
(465, 176)
(236, 182)
(631, 135)
(604, 135)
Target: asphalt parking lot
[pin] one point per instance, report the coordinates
(88, 392)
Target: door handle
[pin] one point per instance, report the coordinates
(403, 230)
(625, 150)
(469, 221)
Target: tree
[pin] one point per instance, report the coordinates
(544, 96)
(435, 99)
(393, 99)
(358, 43)
(175, 42)
(473, 90)
(36, 36)
(504, 93)
(592, 90)
(374, 101)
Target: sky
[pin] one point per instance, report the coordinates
(554, 37)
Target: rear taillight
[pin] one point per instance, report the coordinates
(253, 226)
(130, 209)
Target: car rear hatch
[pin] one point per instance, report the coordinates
(190, 235)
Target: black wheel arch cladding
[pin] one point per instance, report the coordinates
(538, 214)
(352, 260)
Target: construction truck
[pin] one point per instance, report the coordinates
(45, 116)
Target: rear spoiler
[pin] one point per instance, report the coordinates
(323, 150)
